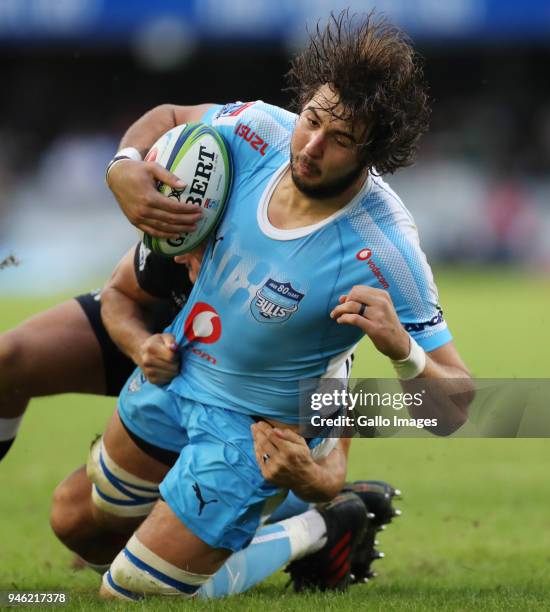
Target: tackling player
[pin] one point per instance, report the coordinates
(258, 321)
(80, 356)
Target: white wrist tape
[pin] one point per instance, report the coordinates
(413, 364)
(129, 153)
(126, 153)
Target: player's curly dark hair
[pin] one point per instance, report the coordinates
(379, 79)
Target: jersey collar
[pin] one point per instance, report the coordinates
(299, 232)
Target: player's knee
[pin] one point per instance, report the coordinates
(70, 516)
(73, 521)
(138, 571)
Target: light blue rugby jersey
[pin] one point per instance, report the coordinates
(257, 321)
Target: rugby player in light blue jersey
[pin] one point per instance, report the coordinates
(309, 225)
(141, 281)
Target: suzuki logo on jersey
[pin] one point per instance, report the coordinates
(275, 302)
(366, 255)
(203, 324)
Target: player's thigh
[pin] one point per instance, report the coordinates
(164, 534)
(73, 519)
(216, 487)
(55, 351)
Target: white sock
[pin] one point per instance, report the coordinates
(306, 533)
(9, 428)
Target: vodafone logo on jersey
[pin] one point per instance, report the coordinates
(203, 324)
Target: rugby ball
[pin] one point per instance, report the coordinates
(197, 154)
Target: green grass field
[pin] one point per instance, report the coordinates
(475, 531)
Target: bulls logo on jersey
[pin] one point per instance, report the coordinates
(275, 302)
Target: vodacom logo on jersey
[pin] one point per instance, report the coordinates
(203, 324)
(366, 255)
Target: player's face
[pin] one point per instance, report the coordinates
(324, 149)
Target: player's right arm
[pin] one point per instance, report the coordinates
(133, 183)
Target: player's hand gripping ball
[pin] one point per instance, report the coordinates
(198, 155)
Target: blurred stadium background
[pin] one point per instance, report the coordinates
(76, 73)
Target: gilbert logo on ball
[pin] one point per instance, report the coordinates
(197, 154)
(203, 324)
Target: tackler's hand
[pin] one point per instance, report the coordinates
(159, 358)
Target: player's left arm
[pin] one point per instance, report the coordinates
(291, 466)
(380, 322)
